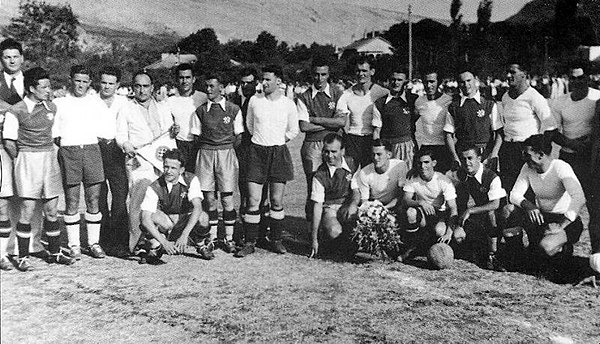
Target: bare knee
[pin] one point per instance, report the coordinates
(411, 215)
(227, 201)
(440, 229)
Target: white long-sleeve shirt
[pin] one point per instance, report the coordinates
(139, 126)
(557, 190)
(272, 122)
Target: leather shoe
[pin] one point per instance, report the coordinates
(96, 251)
(75, 252)
(5, 264)
(246, 250)
(206, 251)
(59, 258)
(23, 264)
(278, 247)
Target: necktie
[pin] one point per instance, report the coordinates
(13, 89)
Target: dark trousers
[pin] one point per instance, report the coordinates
(114, 230)
(190, 151)
(511, 162)
(359, 148)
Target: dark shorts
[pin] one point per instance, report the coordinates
(81, 164)
(359, 148)
(269, 164)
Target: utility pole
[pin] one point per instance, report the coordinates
(410, 62)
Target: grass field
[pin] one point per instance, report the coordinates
(269, 298)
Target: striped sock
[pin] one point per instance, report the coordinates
(229, 221)
(23, 236)
(93, 222)
(72, 225)
(213, 221)
(251, 221)
(53, 233)
(5, 228)
(277, 216)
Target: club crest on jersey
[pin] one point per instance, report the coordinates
(183, 194)
(405, 111)
(349, 177)
(50, 116)
(481, 113)
(226, 120)
(331, 105)
(160, 151)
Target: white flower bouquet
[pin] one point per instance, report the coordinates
(376, 231)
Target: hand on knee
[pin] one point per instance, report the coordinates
(459, 235)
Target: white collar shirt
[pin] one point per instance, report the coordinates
(19, 82)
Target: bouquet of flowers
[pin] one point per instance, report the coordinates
(376, 230)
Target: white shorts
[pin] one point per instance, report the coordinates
(37, 175)
(6, 189)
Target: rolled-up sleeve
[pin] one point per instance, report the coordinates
(517, 194)
(573, 188)
(317, 193)
(150, 202)
(496, 190)
(11, 127)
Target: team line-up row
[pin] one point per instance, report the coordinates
(441, 163)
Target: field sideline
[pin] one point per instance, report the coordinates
(269, 298)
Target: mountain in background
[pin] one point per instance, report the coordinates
(336, 22)
(538, 11)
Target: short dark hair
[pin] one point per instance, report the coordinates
(31, 77)
(378, 143)
(248, 71)
(425, 152)
(429, 71)
(399, 69)
(80, 69)
(466, 68)
(539, 143)
(216, 76)
(522, 67)
(183, 66)
(362, 59)
(319, 61)
(463, 147)
(331, 137)
(111, 70)
(275, 69)
(10, 43)
(143, 72)
(174, 154)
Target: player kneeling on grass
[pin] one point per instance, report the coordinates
(430, 198)
(172, 212)
(28, 140)
(478, 221)
(552, 223)
(331, 193)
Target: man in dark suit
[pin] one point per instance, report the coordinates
(11, 92)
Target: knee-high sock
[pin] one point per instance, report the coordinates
(264, 221)
(93, 222)
(23, 236)
(213, 221)
(5, 228)
(72, 225)
(53, 233)
(251, 221)
(277, 216)
(229, 221)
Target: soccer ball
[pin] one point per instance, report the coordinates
(440, 256)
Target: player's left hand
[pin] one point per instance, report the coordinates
(464, 217)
